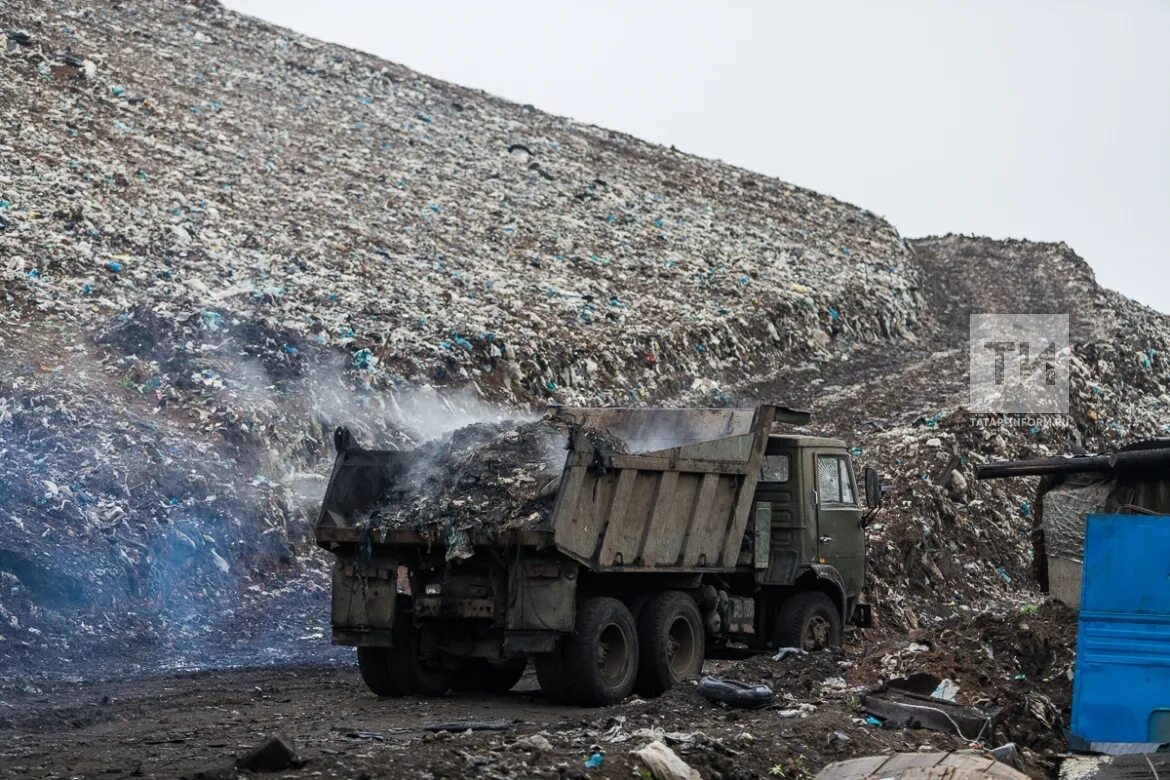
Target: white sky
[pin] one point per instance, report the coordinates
(1040, 120)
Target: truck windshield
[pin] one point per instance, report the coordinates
(775, 469)
(834, 481)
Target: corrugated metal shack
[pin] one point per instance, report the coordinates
(1132, 480)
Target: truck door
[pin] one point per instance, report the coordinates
(841, 539)
(780, 527)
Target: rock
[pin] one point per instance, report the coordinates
(664, 763)
(957, 484)
(537, 743)
(272, 755)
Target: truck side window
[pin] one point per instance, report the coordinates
(775, 469)
(834, 482)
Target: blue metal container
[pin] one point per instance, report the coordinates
(1121, 691)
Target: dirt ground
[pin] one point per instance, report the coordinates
(196, 725)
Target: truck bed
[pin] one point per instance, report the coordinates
(639, 490)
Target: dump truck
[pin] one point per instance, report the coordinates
(709, 533)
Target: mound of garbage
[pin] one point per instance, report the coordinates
(485, 478)
(449, 235)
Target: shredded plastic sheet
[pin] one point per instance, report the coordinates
(1065, 509)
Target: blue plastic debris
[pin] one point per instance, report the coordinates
(1003, 574)
(872, 721)
(34, 274)
(114, 266)
(212, 320)
(288, 349)
(363, 359)
(834, 315)
(1025, 509)
(365, 101)
(594, 761)
(117, 90)
(551, 386)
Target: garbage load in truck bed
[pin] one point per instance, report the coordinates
(610, 546)
(683, 477)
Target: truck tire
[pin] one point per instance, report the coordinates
(377, 672)
(808, 620)
(484, 676)
(672, 642)
(398, 670)
(550, 673)
(601, 655)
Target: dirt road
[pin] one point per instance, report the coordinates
(196, 725)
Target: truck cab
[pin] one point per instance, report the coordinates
(810, 534)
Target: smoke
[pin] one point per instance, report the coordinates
(158, 490)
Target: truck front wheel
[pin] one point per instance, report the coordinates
(672, 642)
(601, 655)
(808, 620)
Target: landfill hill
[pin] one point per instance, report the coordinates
(219, 239)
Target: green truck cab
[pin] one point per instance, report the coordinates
(712, 532)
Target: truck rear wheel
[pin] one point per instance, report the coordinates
(808, 620)
(672, 642)
(601, 655)
(376, 668)
(398, 670)
(484, 676)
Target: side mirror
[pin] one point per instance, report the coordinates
(873, 488)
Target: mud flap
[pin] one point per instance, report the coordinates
(364, 601)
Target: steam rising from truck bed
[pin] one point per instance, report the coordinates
(485, 476)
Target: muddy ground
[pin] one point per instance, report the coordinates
(196, 725)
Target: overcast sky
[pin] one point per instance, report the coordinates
(1040, 120)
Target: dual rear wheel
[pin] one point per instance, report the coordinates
(610, 653)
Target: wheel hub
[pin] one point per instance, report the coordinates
(816, 634)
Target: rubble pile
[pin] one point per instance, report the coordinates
(484, 477)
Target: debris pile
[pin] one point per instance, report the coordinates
(484, 477)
